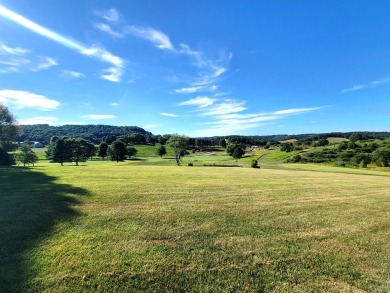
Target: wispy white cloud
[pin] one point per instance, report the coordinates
(13, 51)
(98, 117)
(9, 69)
(354, 88)
(16, 59)
(211, 68)
(103, 55)
(196, 89)
(107, 29)
(114, 104)
(111, 15)
(169, 114)
(366, 85)
(295, 111)
(45, 63)
(112, 74)
(39, 120)
(224, 107)
(151, 126)
(70, 74)
(157, 38)
(200, 101)
(228, 115)
(24, 99)
(15, 62)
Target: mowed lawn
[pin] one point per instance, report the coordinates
(112, 227)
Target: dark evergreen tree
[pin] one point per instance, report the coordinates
(103, 148)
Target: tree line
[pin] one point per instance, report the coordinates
(109, 134)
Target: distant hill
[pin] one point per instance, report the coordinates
(94, 133)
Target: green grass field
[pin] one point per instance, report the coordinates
(125, 227)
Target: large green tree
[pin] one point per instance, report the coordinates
(179, 144)
(381, 157)
(26, 155)
(237, 151)
(59, 151)
(161, 151)
(136, 138)
(103, 148)
(117, 151)
(9, 130)
(80, 149)
(131, 151)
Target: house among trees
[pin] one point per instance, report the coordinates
(37, 145)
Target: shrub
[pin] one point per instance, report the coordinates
(190, 163)
(254, 164)
(6, 159)
(363, 164)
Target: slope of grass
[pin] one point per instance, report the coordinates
(116, 227)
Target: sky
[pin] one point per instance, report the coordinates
(200, 68)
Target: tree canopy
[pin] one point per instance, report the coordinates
(237, 151)
(26, 155)
(9, 130)
(179, 144)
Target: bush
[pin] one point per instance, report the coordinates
(190, 164)
(363, 164)
(254, 164)
(6, 159)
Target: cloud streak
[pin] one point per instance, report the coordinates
(228, 117)
(157, 38)
(210, 70)
(24, 99)
(45, 63)
(366, 85)
(168, 114)
(16, 58)
(114, 73)
(39, 120)
(70, 74)
(98, 117)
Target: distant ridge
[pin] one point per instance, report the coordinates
(94, 133)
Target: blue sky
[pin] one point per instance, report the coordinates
(200, 68)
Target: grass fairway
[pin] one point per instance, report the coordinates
(111, 227)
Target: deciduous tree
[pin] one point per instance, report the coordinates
(161, 151)
(117, 151)
(26, 155)
(9, 130)
(131, 151)
(381, 157)
(237, 151)
(179, 144)
(59, 151)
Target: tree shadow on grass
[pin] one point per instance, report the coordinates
(31, 203)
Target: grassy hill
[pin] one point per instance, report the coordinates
(128, 227)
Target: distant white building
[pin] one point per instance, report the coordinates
(37, 145)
